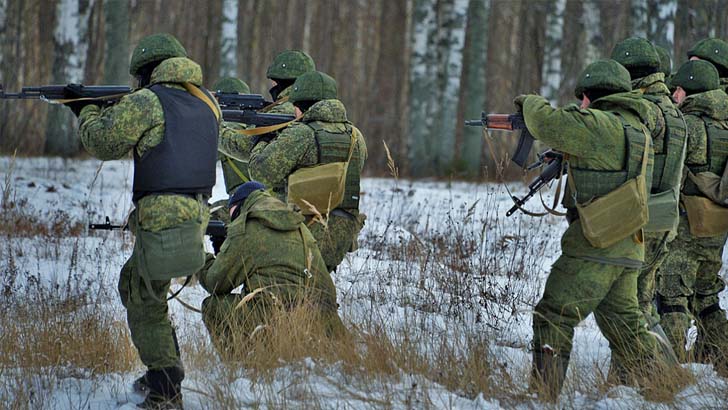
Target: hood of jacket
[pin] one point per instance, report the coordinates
(631, 103)
(268, 211)
(177, 70)
(653, 84)
(712, 103)
(326, 111)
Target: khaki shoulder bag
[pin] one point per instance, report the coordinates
(622, 212)
(705, 217)
(320, 188)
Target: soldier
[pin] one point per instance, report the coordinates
(642, 61)
(323, 136)
(715, 51)
(270, 251)
(171, 126)
(689, 284)
(283, 72)
(607, 145)
(665, 65)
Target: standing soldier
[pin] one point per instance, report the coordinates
(669, 137)
(665, 65)
(323, 136)
(689, 284)
(608, 147)
(170, 124)
(715, 51)
(270, 251)
(286, 67)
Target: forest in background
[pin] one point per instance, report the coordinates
(409, 71)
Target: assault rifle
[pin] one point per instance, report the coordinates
(259, 119)
(215, 228)
(509, 122)
(553, 170)
(235, 101)
(67, 92)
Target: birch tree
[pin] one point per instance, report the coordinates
(552, 53)
(116, 63)
(229, 40)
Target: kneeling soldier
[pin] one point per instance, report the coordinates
(270, 251)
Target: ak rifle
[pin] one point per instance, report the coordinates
(235, 101)
(553, 170)
(258, 119)
(508, 122)
(52, 93)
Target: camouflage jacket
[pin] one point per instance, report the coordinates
(295, 147)
(594, 139)
(724, 84)
(231, 166)
(713, 104)
(137, 122)
(268, 246)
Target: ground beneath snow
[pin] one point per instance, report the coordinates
(374, 284)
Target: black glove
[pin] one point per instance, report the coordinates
(74, 91)
(267, 138)
(217, 242)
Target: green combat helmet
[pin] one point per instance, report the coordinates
(313, 86)
(289, 65)
(605, 75)
(696, 76)
(638, 56)
(665, 62)
(714, 50)
(231, 85)
(154, 48)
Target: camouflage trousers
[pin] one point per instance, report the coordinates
(655, 255)
(147, 316)
(337, 238)
(687, 289)
(576, 288)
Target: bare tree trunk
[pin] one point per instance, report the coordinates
(116, 64)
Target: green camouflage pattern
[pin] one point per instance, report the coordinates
(606, 75)
(295, 147)
(267, 247)
(576, 288)
(655, 255)
(594, 140)
(155, 47)
(689, 278)
(231, 166)
(724, 84)
(714, 50)
(231, 85)
(137, 122)
(313, 86)
(290, 64)
(338, 237)
(654, 84)
(636, 54)
(713, 104)
(696, 76)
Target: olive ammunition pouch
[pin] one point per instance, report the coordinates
(173, 252)
(705, 217)
(609, 218)
(334, 182)
(667, 172)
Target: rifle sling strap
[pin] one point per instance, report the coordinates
(267, 129)
(275, 103)
(229, 160)
(104, 98)
(192, 89)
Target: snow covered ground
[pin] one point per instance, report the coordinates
(436, 258)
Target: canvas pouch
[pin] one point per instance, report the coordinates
(322, 186)
(705, 217)
(622, 212)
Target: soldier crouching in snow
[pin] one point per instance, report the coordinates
(270, 251)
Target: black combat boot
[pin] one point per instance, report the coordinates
(164, 389)
(548, 373)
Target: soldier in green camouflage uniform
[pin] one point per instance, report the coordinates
(586, 279)
(270, 251)
(300, 145)
(689, 283)
(138, 123)
(714, 50)
(642, 61)
(283, 72)
(286, 67)
(665, 65)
